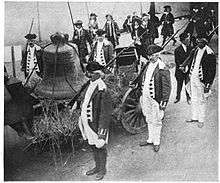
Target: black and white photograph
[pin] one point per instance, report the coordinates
(110, 91)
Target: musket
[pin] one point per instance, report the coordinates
(87, 9)
(29, 76)
(38, 17)
(26, 45)
(141, 9)
(71, 103)
(71, 15)
(32, 22)
(209, 37)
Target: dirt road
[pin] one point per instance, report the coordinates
(187, 152)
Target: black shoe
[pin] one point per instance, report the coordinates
(92, 171)
(176, 101)
(156, 148)
(100, 175)
(145, 143)
(189, 101)
(192, 121)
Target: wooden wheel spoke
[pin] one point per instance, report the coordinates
(129, 117)
(137, 124)
(129, 112)
(142, 120)
(132, 100)
(134, 120)
(129, 105)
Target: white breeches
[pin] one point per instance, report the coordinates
(197, 100)
(153, 116)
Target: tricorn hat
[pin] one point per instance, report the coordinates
(93, 14)
(202, 39)
(144, 14)
(78, 22)
(167, 7)
(108, 15)
(153, 48)
(30, 36)
(100, 32)
(94, 66)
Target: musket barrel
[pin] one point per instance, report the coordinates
(71, 15)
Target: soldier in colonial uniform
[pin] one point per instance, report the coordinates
(155, 82)
(83, 41)
(202, 64)
(102, 51)
(96, 110)
(167, 20)
(30, 57)
(112, 30)
(93, 25)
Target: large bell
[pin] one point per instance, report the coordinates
(62, 74)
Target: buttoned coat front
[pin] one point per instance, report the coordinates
(160, 85)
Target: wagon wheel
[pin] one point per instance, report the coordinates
(133, 120)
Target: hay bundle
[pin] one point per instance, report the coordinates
(55, 121)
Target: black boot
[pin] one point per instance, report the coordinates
(102, 159)
(97, 163)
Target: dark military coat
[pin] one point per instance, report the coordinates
(167, 21)
(80, 39)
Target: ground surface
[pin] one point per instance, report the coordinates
(187, 152)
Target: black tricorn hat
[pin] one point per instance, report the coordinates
(94, 66)
(144, 14)
(78, 22)
(93, 14)
(30, 36)
(167, 7)
(108, 15)
(153, 48)
(100, 32)
(202, 39)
